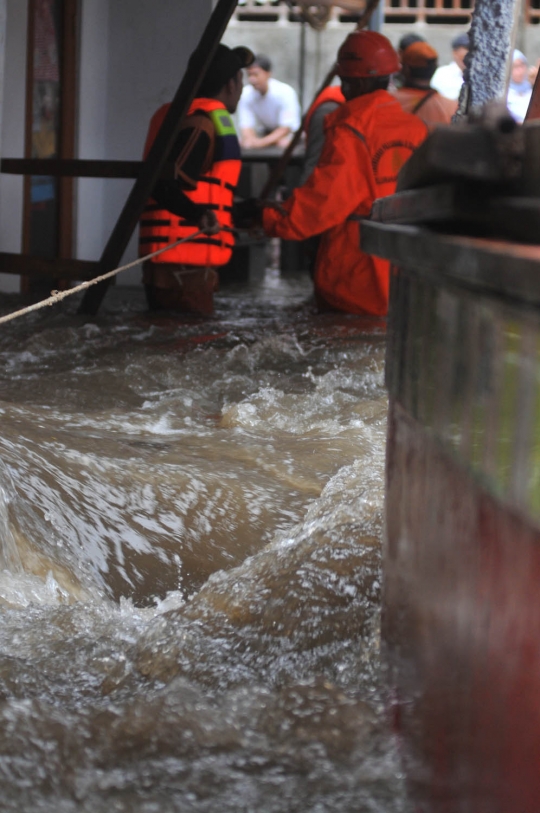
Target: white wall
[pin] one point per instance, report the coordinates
(3, 23)
(150, 42)
(12, 133)
(92, 91)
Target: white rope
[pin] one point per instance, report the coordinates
(56, 296)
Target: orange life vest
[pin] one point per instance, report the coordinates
(368, 139)
(332, 93)
(215, 190)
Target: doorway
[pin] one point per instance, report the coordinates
(49, 132)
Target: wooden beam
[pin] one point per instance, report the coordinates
(460, 206)
(431, 204)
(160, 151)
(94, 168)
(68, 86)
(533, 110)
(26, 264)
(28, 118)
(74, 168)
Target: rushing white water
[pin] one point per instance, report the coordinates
(190, 527)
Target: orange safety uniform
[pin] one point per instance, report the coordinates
(368, 139)
(207, 168)
(426, 103)
(214, 189)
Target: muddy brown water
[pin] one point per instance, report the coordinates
(190, 529)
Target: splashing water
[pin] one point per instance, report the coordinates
(190, 528)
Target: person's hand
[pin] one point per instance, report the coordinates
(209, 222)
(247, 213)
(250, 140)
(274, 204)
(284, 142)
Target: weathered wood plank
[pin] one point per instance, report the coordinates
(516, 218)
(504, 268)
(463, 205)
(469, 152)
(431, 204)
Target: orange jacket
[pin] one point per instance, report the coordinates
(435, 110)
(367, 142)
(215, 189)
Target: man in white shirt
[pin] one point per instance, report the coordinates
(268, 112)
(448, 79)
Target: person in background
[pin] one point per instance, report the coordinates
(448, 79)
(407, 39)
(269, 111)
(418, 64)
(367, 140)
(519, 89)
(207, 167)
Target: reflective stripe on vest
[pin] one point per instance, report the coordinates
(215, 190)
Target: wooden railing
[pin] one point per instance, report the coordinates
(532, 12)
(428, 11)
(280, 12)
(451, 12)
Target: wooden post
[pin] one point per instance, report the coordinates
(533, 110)
(67, 125)
(159, 152)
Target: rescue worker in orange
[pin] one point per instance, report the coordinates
(368, 139)
(419, 63)
(207, 168)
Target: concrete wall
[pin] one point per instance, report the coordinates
(282, 44)
(530, 43)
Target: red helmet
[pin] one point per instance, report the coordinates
(366, 54)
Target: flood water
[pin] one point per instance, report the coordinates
(190, 529)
